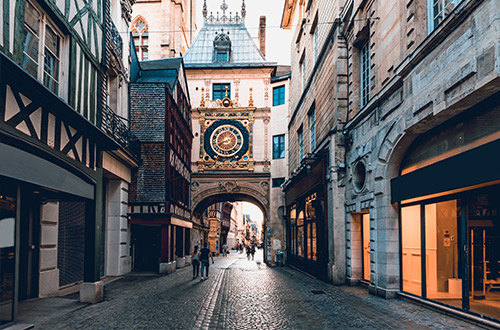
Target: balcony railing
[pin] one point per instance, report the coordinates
(115, 126)
(116, 39)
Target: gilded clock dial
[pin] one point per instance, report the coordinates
(226, 140)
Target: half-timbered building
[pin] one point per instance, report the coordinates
(159, 208)
(65, 145)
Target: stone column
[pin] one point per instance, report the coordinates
(49, 274)
(118, 260)
(92, 288)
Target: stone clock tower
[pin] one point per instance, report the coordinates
(226, 139)
(229, 86)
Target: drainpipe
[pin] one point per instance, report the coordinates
(344, 130)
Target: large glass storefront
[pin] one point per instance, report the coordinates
(451, 252)
(7, 251)
(305, 244)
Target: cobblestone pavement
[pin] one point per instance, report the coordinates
(246, 294)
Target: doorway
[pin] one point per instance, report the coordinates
(365, 232)
(146, 243)
(29, 247)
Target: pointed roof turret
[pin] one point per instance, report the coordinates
(224, 41)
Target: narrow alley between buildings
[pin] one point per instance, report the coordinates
(243, 294)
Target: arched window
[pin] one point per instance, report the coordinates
(141, 37)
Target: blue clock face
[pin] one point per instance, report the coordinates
(226, 139)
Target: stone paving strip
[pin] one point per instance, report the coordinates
(243, 294)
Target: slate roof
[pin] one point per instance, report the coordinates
(244, 51)
(160, 71)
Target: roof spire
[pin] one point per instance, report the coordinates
(224, 7)
(205, 11)
(243, 11)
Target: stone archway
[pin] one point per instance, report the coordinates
(210, 188)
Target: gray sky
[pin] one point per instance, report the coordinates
(277, 39)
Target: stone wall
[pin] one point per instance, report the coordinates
(452, 69)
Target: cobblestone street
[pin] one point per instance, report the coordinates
(245, 294)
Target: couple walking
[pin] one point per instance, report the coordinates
(202, 256)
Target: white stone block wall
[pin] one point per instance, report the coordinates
(49, 274)
(117, 238)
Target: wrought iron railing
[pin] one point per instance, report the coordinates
(116, 39)
(115, 126)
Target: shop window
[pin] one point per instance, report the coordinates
(411, 249)
(139, 28)
(293, 230)
(441, 252)
(278, 95)
(365, 73)
(279, 146)
(484, 253)
(219, 91)
(438, 10)
(311, 227)
(41, 48)
(300, 235)
(314, 251)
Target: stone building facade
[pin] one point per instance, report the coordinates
(314, 190)
(412, 90)
(230, 87)
(159, 204)
(422, 127)
(67, 152)
(163, 28)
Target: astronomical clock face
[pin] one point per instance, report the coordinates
(226, 140)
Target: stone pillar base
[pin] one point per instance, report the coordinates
(48, 283)
(172, 266)
(181, 262)
(163, 268)
(188, 260)
(92, 292)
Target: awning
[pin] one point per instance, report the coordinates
(474, 167)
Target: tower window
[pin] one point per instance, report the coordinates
(141, 38)
(222, 47)
(219, 91)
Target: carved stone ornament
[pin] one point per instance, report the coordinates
(195, 186)
(229, 187)
(264, 185)
(127, 9)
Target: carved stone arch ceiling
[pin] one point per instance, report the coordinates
(206, 191)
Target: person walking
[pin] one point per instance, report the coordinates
(252, 251)
(205, 254)
(195, 261)
(225, 247)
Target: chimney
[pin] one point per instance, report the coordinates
(262, 35)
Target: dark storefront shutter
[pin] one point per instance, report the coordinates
(71, 241)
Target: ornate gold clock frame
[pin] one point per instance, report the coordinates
(226, 137)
